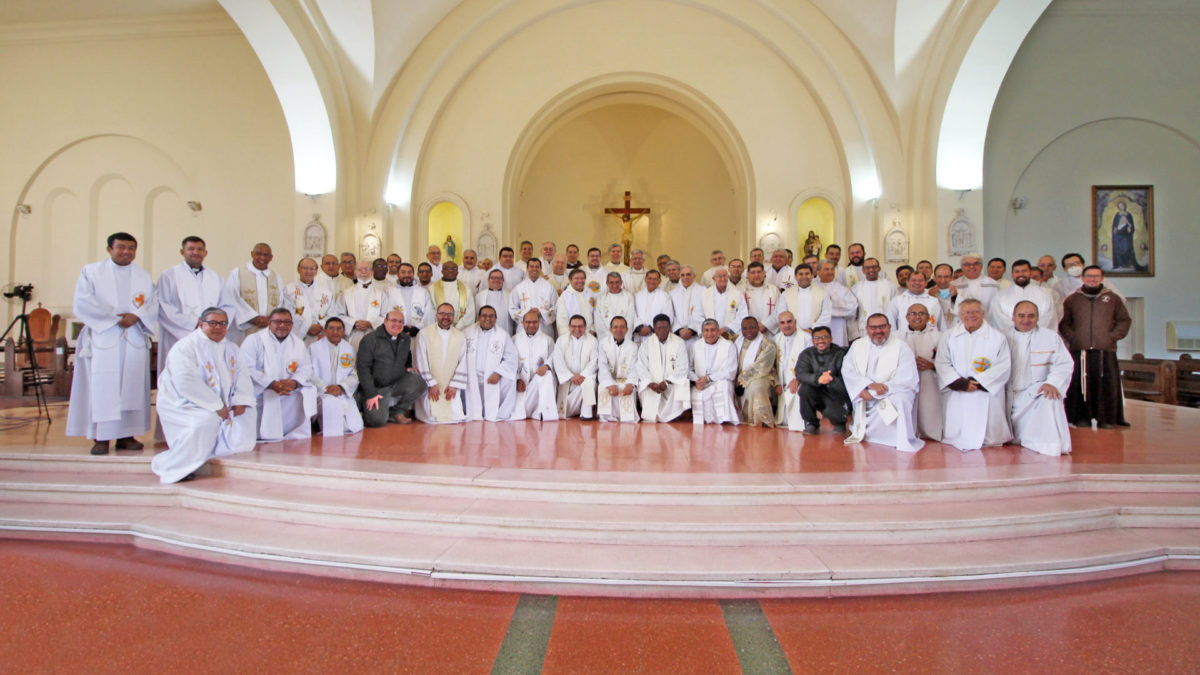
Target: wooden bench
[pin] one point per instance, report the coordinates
(1187, 381)
(1149, 379)
(55, 377)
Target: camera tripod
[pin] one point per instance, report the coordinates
(22, 320)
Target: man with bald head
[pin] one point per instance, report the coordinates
(280, 367)
(973, 365)
(250, 293)
(388, 385)
(309, 300)
(331, 274)
(724, 303)
(790, 344)
(362, 306)
(1041, 373)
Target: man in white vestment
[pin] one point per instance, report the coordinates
(204, 395)
(575, 300)
(880, 373)
(973, 367)
(636, 275)
(613, 302)
(689, 311)
(974, 284)
(309, 300)
(724, 304)
(470, 272)
(762, 299)
(331, 274)
(779, 274)
(537, 386)
(183, 292)
(872, 292)
(922, 338)
(575, 364)
(534, 292)
(250, 293)
(110, 388)
(614, 264)
(843, 304)
(335, 379)
(1000, 315)
(281, 369)
(649, 302)
(790, 343)
(513, 274)
(714, 368)
(494, 295)
(425, 276)
(946, 293)
(433, 255)
(558, 273)
(663, 365)
(1041, 372)
(995, 272)
(453, 291)
(670, 272)
(441, 358)
(617, 374)
(597, 276)
(549, 250)
(914, 293)
(716, 261)
(412, 300)
(348, 263)
(757, 356)
(737, 274)
(491, 392)
(393, 268)
(363, 305)
(806, 301)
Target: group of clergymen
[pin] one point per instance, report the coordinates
(958, 356)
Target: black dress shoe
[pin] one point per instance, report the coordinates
(129, 443)
(811, 430)
(100, 448)
(190, 476)
(1106, 425)
(839, 428)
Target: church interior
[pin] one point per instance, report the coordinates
(925, 129)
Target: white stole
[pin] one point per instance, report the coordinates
(106, 346)
(626, 405)
(885, 368)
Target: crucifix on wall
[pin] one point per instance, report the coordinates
(628, 215)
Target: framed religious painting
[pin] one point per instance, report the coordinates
(1123, 229)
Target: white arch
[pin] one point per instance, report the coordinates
(839, 216)
(296, 87)
(457, 200)
(963, 131)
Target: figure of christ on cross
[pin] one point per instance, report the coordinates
(627, 215)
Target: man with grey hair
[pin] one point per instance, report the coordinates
(281, 368)
(1041, 374)
(973, 365)
(717, 260)
(880, 373)
(714, 368)
(689, 312)
(204, 393)
(974, 283)
(614, 264)
(636, 276)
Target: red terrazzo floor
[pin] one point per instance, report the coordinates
(72, 607)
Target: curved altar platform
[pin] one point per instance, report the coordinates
(650, 510)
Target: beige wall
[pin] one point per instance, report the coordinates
(129, 130)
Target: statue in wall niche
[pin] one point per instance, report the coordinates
(486, 244)
(449, 247)
(314, 238)
(895, 245)
(370, 247)
(962, 234)
(812, 245)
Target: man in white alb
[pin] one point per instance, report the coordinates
(440, 358)
(973, 365)
(433, 255)
(636, 275)
(689, 311)
(1041, 372)
(649, 302)
(250, 293)
(762, 299)
(716, 261)
(534, 292)
(309, 300)
(596, 275)
(110, 387)
(335, 379)
(330, 274)
(574, 301)
(493, 294)
(873, 293)
(880, 373)
(513, 274)
(616, 374)
(575, 364)
(790, 342)
(453, 291)
(843, 304)
(1000, 315)
(922, 338)
(280, 367)
(806, 301)
(613, 302)
(914, 293)
(183, 292)
(724, 304)
(974, 284)
(779, 274)
(714, 368)
(412, 300)
(537, 387)
(491, 392)
(205, 401)
(363, 305)
(663, 364)
(470, 273)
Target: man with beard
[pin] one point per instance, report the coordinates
(973, 365)
(663, 365)
(491, 364)
(1094, 320)
(881, 379)
(393, 268)
(413, 300)
(1020, 290)
(441, 359)
(1041, 371)
(689, 311)
(854, 272)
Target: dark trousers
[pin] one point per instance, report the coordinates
(1102, 401)
(831, 400)
(407, 390)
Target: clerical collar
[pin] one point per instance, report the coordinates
(196, 270)
(279, 339)
(364, 284)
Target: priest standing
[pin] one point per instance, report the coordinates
(250, 293)
(973, 367)
(110, 388)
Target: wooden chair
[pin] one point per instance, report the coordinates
(1149, 379)
(1187, 383)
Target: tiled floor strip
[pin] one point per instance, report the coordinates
(757, 649)
(524, 646)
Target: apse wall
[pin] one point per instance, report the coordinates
(1102, 98)
(176, 111)
(786, 138)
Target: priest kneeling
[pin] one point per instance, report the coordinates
(880, 373)
(335, 378)
(663, 386)
(537, 387)
(617, 374)
(204, 392)
(1041, 373)
(281, 368)
(714, 368)
(972, 364)
(491, 364)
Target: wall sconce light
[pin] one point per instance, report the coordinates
(196, 207)
(1017, 203)
(24, 209)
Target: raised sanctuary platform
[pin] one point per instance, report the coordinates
(647, 509)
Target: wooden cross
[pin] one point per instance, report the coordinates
(627, 215)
